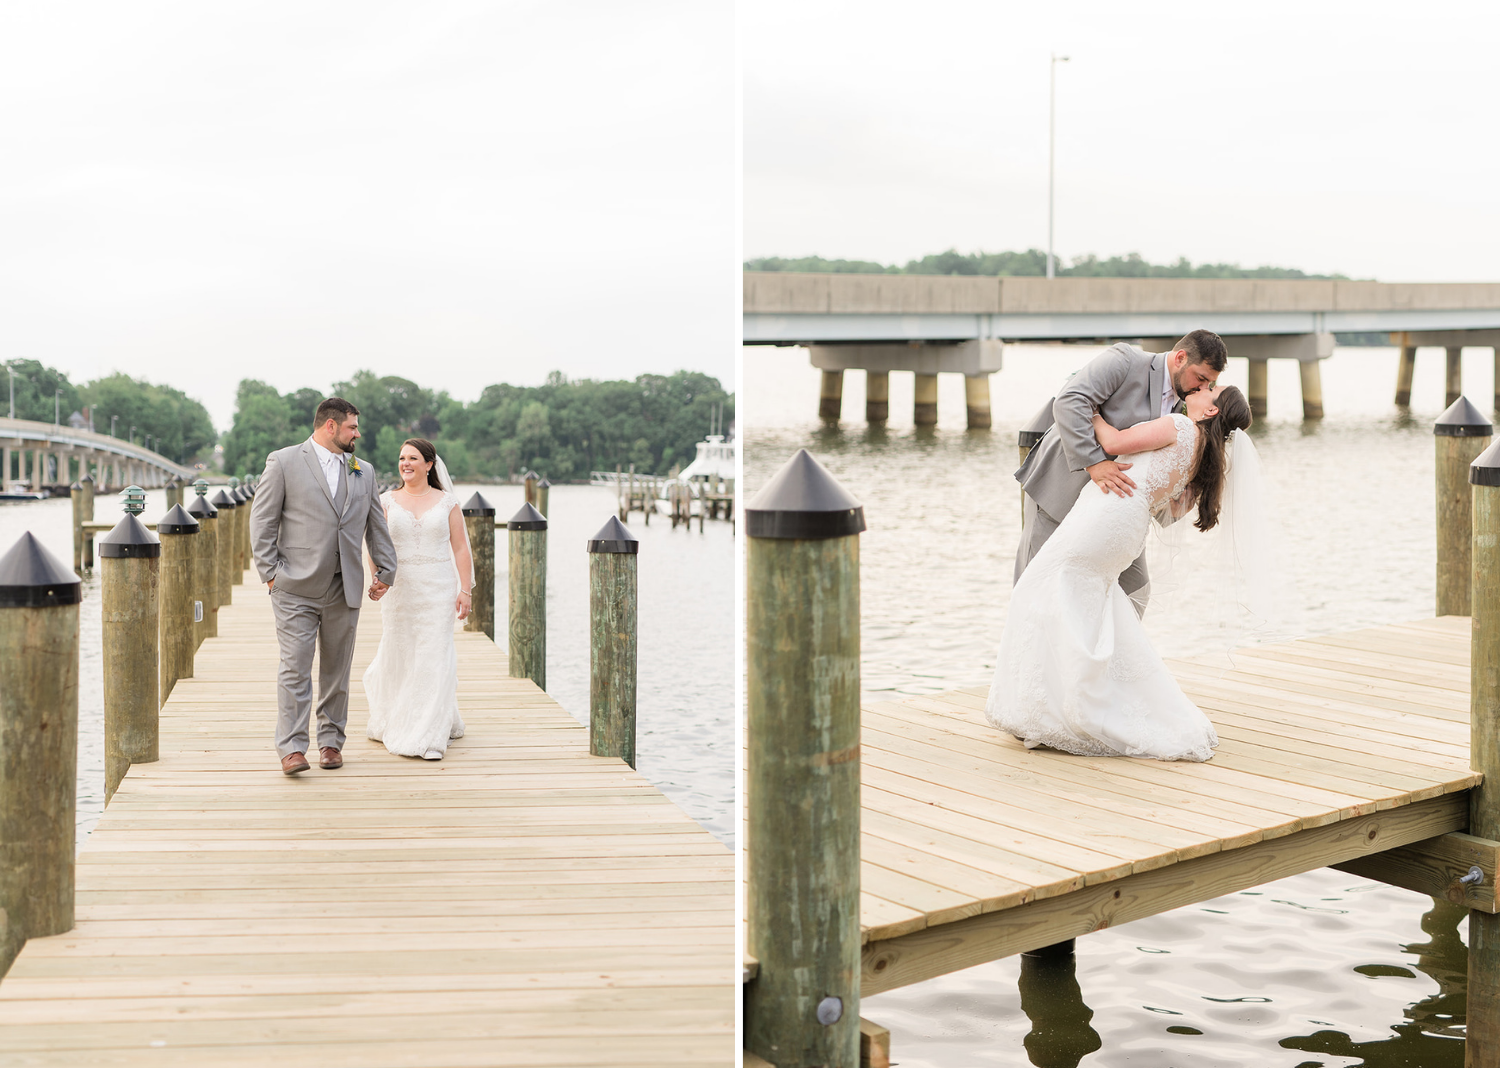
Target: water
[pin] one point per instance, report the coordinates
(685, 689)
(1320, 969)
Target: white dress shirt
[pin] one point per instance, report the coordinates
(330, 462)
(1168, 392)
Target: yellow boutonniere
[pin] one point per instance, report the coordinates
(353, 465)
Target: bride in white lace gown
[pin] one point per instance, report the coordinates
(1076, 670)
(412, 684)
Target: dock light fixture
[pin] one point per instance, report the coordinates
(135, 500)
(201, 485)
(1052, 155)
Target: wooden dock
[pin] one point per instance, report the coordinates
(1331, 749)
(518, 903)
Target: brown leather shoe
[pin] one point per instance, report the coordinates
(293, 763)
(330, 758)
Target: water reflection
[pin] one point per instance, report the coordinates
(1060, 1034)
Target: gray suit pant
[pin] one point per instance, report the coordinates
(1037, 526)
(328, 623)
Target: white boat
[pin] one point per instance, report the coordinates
(715, 459)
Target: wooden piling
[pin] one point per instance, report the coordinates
(1461, 433)
(1312, 389)
(803, 768)
(831, 396)
(1483, 1033)
(241, 535)
(228, 549)
(1455, 376)
(130, 595)
(877, 396)
(173, 491)
(206, 564)
(529, 480)
(924, 401)
(527, 629)
(612, 641)
(1258, 387)
(39, 598)
(479, 522)
(176, 531)
(89, 485)
(977, 401)
(75, 492)
(1035, 429)
(543, 498)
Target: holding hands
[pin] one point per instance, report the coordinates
(377, 589)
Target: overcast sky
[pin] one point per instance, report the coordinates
(455, 191)
(1334, 137)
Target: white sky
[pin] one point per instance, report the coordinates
(1334, 137)
(455, 191)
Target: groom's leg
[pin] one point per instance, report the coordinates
(1036, 527)
(335, 654)
(1136, 583)
(297, 634)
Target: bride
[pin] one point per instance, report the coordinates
(1076, 671)
(412, 684)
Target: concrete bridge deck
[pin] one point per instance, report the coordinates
(520, 902)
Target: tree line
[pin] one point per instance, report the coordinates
(179, 426)
(563, 429)
(1031, 263)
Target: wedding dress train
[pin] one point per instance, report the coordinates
(412, 684)
(1076, 670)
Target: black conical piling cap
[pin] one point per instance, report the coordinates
(614, 537)
(1485, 470)
(76, 486)
(224, 500)
(1036, 428)
(86, 479)
(803, 500)
(241, 494)
(130, 539)
(177, 521)
(199, 508)
(1462, 420)
(477, 505)
(528, 518)
(544, 484)
(31, 577)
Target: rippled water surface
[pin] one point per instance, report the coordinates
(685, 689)
(1320, 969)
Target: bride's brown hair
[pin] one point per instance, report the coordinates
(1207, 481)
(429, 454)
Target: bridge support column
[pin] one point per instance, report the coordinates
(977, 401)
(831, 399)
(1257, 387)
(924, 403)
(1404, 371)
(1455, 377)
(1312, 389)
(5, 469)
(878, 396)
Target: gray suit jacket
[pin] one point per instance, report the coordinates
(301, 539)
(1125, 385)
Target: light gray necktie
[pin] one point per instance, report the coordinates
(342, 494)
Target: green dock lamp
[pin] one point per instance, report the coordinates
(201, 486)
(234, 483)
(135, 500)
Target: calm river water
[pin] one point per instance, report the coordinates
(685, 689)
(1323, 969)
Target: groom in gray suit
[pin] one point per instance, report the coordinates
(311, 508)
(1127, 386)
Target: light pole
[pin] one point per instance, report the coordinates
(112, 420)
(57, 407)
(12, 371)
(132, 435)
(1052, 154)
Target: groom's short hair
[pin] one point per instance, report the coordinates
(335, 408)
(1201, 346)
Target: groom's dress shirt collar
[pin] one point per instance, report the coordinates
(1168, 391)
(330, 462)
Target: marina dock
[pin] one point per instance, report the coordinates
(519, 902)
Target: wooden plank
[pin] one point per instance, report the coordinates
(1434, 867)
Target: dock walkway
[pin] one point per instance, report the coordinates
(519, 903)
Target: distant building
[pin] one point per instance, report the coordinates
(78, 421)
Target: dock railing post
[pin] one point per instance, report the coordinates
(39, 598)
(527, 626)
(1461, 433)
(1483, 1034)
(177, 530)
(228, 549)
(612, 641)
(543, 497)
(206, 561)
(479, 520)
(88, 484)
(75, 492)
(803, 768)
(241, 534)
(1033, 432)
(130, 609)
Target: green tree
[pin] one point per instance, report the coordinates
(262, 424)
(37, 394)
(179, 426)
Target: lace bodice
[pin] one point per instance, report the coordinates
(420, 539)
(1162, 473)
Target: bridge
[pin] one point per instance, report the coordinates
(929, 325)
(45, 454)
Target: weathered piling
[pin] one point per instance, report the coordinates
(803, 768)
(529, 481)
(176, 531)
(925, 400)
(39, 598)
(1461, 433)
(543, 497)
(241, 535)
(1405, 371)
(612, 641)
(75, 492)
(877, 396)
(831, 396)
(527, 630)
(228, 549)
(205, 562)
(173, 490)
(1483, 1033)
(479, 522)
(89, 485)
(1035, 429)
(130, 596)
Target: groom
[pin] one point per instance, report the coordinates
(1126, 386)
(311, 508)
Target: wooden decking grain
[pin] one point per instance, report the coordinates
(1330, 749)
(518, 903)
